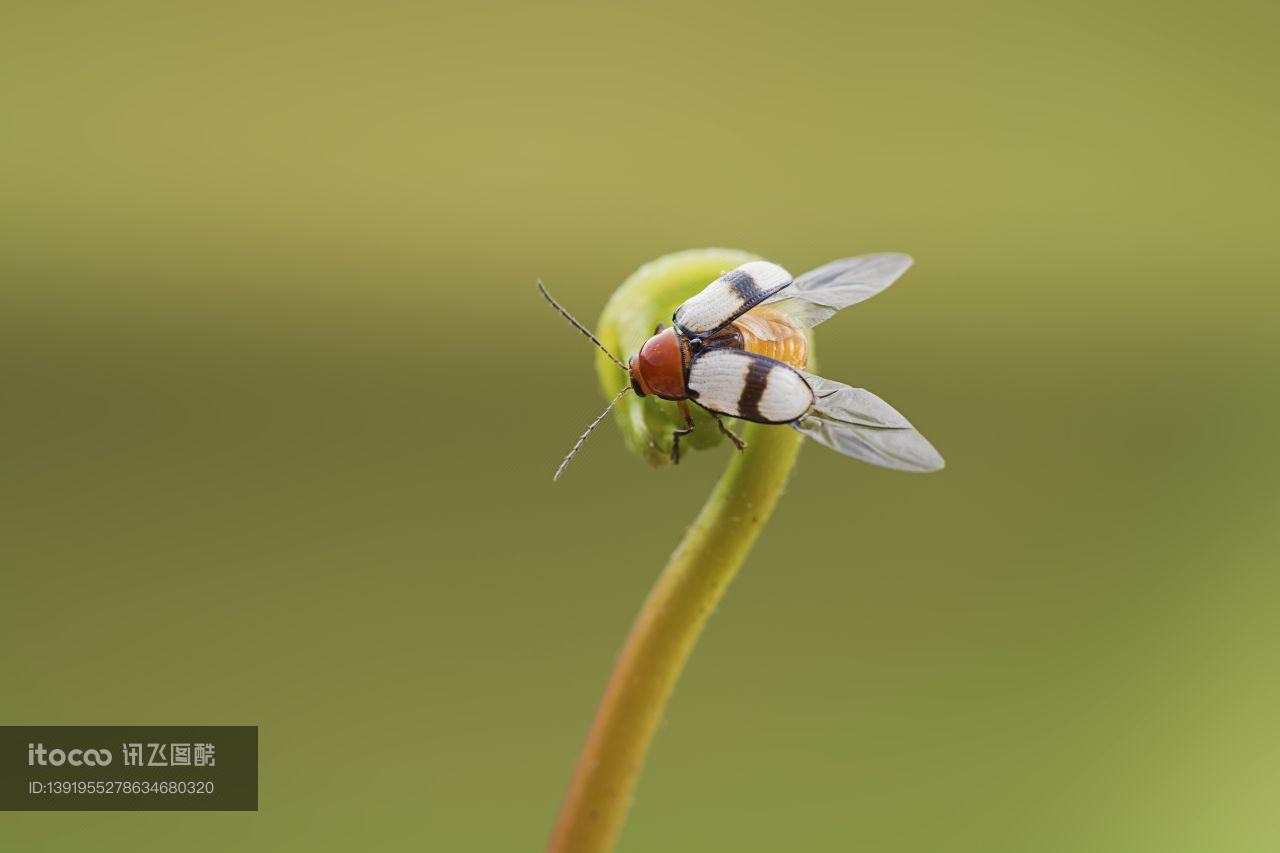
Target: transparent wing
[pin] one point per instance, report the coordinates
(729, 296)
(819, 294)
(857, 423)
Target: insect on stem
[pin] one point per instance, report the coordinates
(581, 328)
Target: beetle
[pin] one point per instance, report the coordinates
(739, 349)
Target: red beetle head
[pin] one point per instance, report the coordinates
(658, 369)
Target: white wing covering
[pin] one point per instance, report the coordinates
(748, 386)
(857, 423)
(819, 294)
(734, 293)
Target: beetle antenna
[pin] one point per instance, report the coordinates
(580, 328)
(594, 424)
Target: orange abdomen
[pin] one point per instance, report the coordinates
(793, 351)
(773, 335)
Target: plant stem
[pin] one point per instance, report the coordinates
(663, 636)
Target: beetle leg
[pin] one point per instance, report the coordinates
(676, 433)
(675, 443)
(737, 441)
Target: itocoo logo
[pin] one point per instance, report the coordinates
(38, 755)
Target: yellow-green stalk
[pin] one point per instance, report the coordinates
(706, 560)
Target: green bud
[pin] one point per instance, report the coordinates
(649, 297)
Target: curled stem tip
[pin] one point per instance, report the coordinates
(696, 576)
(649, 297)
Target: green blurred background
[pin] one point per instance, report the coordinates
(282, 407)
